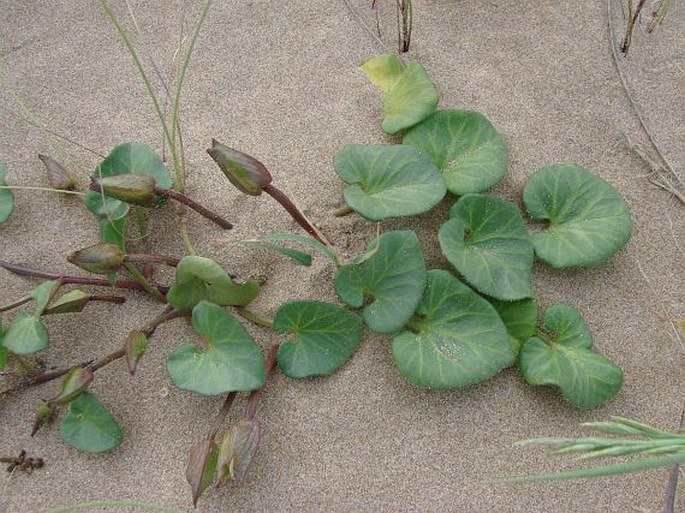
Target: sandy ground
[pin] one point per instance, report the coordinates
(282, 84)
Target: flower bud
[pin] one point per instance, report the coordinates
(44, 415)
(135, 345)
(132, 188)
(245, 172)
(238, 448)
(58, 176)
(98, 259)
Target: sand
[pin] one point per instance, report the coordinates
(281, 83)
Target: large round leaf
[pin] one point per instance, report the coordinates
(394, 276)
(588, 219)
(563, 358)
(388, 180)
(26, 334)
(126, 158)
(6, 196)
(232, 362)
(460, 340)
(89, 427)
(410, 99)
(325, 337)
(465, 147)
(486, 240)
(199, 278)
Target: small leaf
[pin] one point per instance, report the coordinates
(75, 382)
(388, 180)
(73, 301)
(588, 219)
(246, 173)
(135, 346)
(232, 362)
(464, 146)
(238, 448)
(201, 467)
(202, 279)
(26, 334)
(325, 337)
(89, 427)
(300, 257)
(410, 99)
(586, 379)
(58, 176)
(6, 196)
(41, 295)
(486, 240)
(519, 317)
(102, 206)
(304, 240)
(394, 276)
(113, 231)
(384, 70)
(460, 339)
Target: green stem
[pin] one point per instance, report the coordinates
(147, 286)
(255, 318)
(16, 304)
(185, 237)
(149, 258)
(44, 189)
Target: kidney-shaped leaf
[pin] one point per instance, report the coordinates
(232, 362)
(384, 70)
(199, 278)
(26, 334)
(394, 275)
(6, 196)
(471, 155)
(486, 240)
(325, 337)
(588, 219)
(460, 340)
(89, 427)
(124, 159)
(586, 379)
(388, 180)
(410, 99)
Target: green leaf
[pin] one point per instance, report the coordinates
(76, 381)
(126, 158)
(6, 196)
(3, 356)
(409, 100)
(459, 340)
(232, 362)
(89, 427)
(388, 180)
(394, 276)
(200, 278)
(384, 70)
(564, 359)
(519, 317)
(113, 231)
(300, 257)
(588, 219)
(73, 301)
(26, 334)
(486, 240)
(102, 206)
(304, 240)
(41, 295)
(325, 337)
(471, 155)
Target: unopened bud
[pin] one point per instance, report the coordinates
(58, 176)
(132, 188)
(135, 345)
(238, 448)
(245, 172)
(44, 414)
(98, 259)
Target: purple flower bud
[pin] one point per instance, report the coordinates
(98, 259)
(133, 188)
(238, 448)
(245, 172)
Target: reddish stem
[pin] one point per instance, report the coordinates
(295, 212)
(255, 395)
(182, 198)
